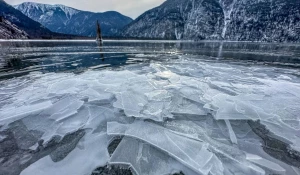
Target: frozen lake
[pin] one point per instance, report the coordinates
(155, 107)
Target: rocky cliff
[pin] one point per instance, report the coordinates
(241, 20)
(11, 31)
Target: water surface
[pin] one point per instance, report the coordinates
(20, 57)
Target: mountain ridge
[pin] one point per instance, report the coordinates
(34, 29)
(68, 20)
(237, 20)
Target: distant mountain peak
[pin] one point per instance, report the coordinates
(63, 19)
(16, 22)
(46, 8)
(22, 22)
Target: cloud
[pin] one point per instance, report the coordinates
(131, 8)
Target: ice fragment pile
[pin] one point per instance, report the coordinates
(189, 115)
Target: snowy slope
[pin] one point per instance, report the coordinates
(63, 19)
(44, 12)
(245, 20)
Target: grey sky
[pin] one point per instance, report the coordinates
(131, 8)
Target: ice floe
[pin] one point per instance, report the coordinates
(189, 115)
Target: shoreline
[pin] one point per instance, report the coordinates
(149, 41)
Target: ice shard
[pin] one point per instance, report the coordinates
(146, 159)
(191, 153)
(90, 153)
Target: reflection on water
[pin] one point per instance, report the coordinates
(220, 50)
(18, 58)
(13, 63)
(100, 45)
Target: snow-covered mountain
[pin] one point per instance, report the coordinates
(243, 20)
(11, 31)
(63, 19)
(31, 27)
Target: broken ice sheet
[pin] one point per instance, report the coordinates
(65, 108)
(232, 157)
(181, 105)
(231, 132)
(265, 163)
(65, 86)
(172, 77)
(90, 153)
(236, 107)
(146, 159)
(15, 113)
(95, 96)
(158, 95)
(89, 117)
(144, 103)
(286, 134)
(61, 103)
(193, 154)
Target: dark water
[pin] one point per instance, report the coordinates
(19, 58)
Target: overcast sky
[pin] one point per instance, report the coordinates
(131, 8)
